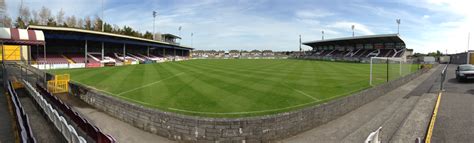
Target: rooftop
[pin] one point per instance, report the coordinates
(382, 38)
(66, 29)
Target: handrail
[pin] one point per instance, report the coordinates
(25, 132)
(443, 77)
(67, 130)
(91, 130)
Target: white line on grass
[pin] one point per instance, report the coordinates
(299, 91)
(145, 103)
(260, 111)
(146, 85)
(222, 113)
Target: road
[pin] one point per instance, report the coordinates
(455, 119)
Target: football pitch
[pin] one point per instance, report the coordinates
(233, 88)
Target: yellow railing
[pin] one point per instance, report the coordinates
(59, 84)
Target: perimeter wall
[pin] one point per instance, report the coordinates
(268, 128)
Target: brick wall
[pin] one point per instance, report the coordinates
(267, 128)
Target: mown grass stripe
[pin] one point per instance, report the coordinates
(229, 88)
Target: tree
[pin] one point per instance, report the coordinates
(255, 51)
(19, 23)
(108, 27)
(6, 21)
(148, 35)
(34, 18)
(32, 22)
(64, 25)
(80, 24)
(97, 24)
(71, 21)
(116, 29)
(25, 14)
(435, 54)
(3, 9)
(51, 22)
(60, 16)
(127, 31)
(44, 15)
(88, 23)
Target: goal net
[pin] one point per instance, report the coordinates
(384, 69)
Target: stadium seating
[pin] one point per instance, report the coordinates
(353, 55)
(77, 58)
(52, 59)
(136, 57)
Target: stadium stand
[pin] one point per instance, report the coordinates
(359, 48)
(77, 58)
(236, 54)
(74, 48)
(52, 59)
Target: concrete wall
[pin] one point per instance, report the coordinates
(460, 58)
(268, 128)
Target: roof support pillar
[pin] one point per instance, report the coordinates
(44, 53)
(3, 65)
(148, 51)
(124, 52)
(85, 52)
(102, 54)
(164, 52)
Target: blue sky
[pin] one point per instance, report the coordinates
(426, 25)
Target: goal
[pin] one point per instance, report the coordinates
(384, 69)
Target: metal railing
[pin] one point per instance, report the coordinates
(31, 75)
(22, 121)
(443, 77)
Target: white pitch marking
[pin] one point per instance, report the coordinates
(301, 92)
(223, 113)
(146, 85)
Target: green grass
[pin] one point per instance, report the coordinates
(231, 88)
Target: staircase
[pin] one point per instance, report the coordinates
(68, 59)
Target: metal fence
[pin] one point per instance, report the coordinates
(22, 122)
(31, 76)
(443, 77)
(68, 131)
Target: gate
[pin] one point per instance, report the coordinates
(60, 84)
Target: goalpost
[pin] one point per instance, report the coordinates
(384, 69)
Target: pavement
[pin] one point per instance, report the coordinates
(6, 128)
(43, 129)
(396, 112)
(455, 119)
(121, 131)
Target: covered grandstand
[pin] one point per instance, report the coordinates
(358, 48)
(79, 48)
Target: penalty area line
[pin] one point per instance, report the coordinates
(299, 91)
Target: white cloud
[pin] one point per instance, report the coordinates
(315, 13)
(426, 16)
(427, 25)
(360, 29)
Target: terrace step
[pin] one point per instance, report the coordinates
(391, 115)
(68, 59)
(392, 125)
(416, 123)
